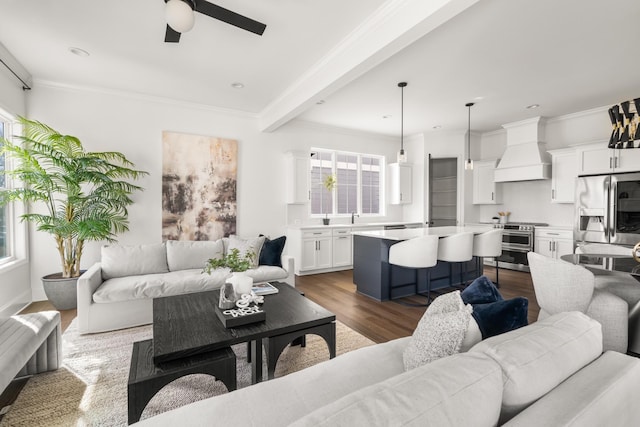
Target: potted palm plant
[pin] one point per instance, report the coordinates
(329, 183)
(84, 195)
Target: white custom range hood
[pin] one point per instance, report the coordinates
(525, 158)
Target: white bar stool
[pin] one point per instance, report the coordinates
(489, 244)
(420, 253)
(456, 248)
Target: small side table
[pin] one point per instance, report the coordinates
(146, 379)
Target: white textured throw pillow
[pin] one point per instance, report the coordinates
(245, 245)
(440, 332)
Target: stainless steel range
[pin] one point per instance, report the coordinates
(517, 239)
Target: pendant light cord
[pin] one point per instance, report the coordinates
(402, 85)
(469, 105)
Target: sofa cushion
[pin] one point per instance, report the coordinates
(245, 245)
(537, 358)
(501, 316)
(460, 390)
(440, 332)
(130, 260)
(481, 291)
(175, 283)
(603, 393)
(271, 252)
(186, 255)
(265, 273)
(281, 401)
(159, 285)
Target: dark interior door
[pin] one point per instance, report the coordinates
(443, 191)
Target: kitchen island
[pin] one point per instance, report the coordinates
(371, 263)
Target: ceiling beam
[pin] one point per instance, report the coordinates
(394, 26)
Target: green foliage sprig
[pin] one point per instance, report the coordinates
(232, 260)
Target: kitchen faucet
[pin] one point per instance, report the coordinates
(352, 215)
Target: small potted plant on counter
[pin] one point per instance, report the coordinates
(329, 183)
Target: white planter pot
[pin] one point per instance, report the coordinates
(242, 283)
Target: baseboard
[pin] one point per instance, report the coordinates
(16, 305)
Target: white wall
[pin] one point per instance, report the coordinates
(15, 290)
(133, 126)
(530, 201)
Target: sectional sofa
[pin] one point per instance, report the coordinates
(118, 291)
(550, 373)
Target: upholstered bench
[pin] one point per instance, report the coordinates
(29, 344)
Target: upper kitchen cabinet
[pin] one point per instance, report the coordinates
(563, 175)
(297, 173)
(400, 185)
(485, 190)
(597, 158)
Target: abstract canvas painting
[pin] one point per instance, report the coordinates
(199, 175)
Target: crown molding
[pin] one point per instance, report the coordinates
(578, 114)
(142, 97)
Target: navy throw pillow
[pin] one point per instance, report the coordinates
(481, 291)
(501, 316)
(271, 252)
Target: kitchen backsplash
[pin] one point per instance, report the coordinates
(530, 201)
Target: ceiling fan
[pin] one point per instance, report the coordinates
(180, 18)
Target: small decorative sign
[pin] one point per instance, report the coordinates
(235, 317)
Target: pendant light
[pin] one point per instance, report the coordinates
(468, 164)
(402, 156)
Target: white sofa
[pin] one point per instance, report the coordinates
(118, 291)
(550, 373)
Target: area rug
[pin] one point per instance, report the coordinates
(90, 389)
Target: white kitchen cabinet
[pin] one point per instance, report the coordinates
(485, 190)
(400, 184)
(342, 247)
(553, 242)
(563, 175)
(297, 177)
(315, 250)
(628, 160)
(597, 158)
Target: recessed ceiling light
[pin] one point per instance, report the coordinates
(388, 116)
(237, 85)
(78, 51)
(532, 106)
(437, 127)
(478, 98)
(320, 102)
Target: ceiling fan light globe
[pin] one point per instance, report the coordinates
(179, 16)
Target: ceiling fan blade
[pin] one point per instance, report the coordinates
(171, 36)
(229, 17)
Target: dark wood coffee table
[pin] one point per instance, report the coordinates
(185, 325)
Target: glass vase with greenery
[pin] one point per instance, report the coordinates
(329, 182)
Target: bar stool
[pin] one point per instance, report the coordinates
(457, 248)
(489, 244)
(420, 253)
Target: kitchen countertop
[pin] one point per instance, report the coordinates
(410, 233)
(356, 225)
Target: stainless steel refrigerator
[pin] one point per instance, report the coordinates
(608, 209)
